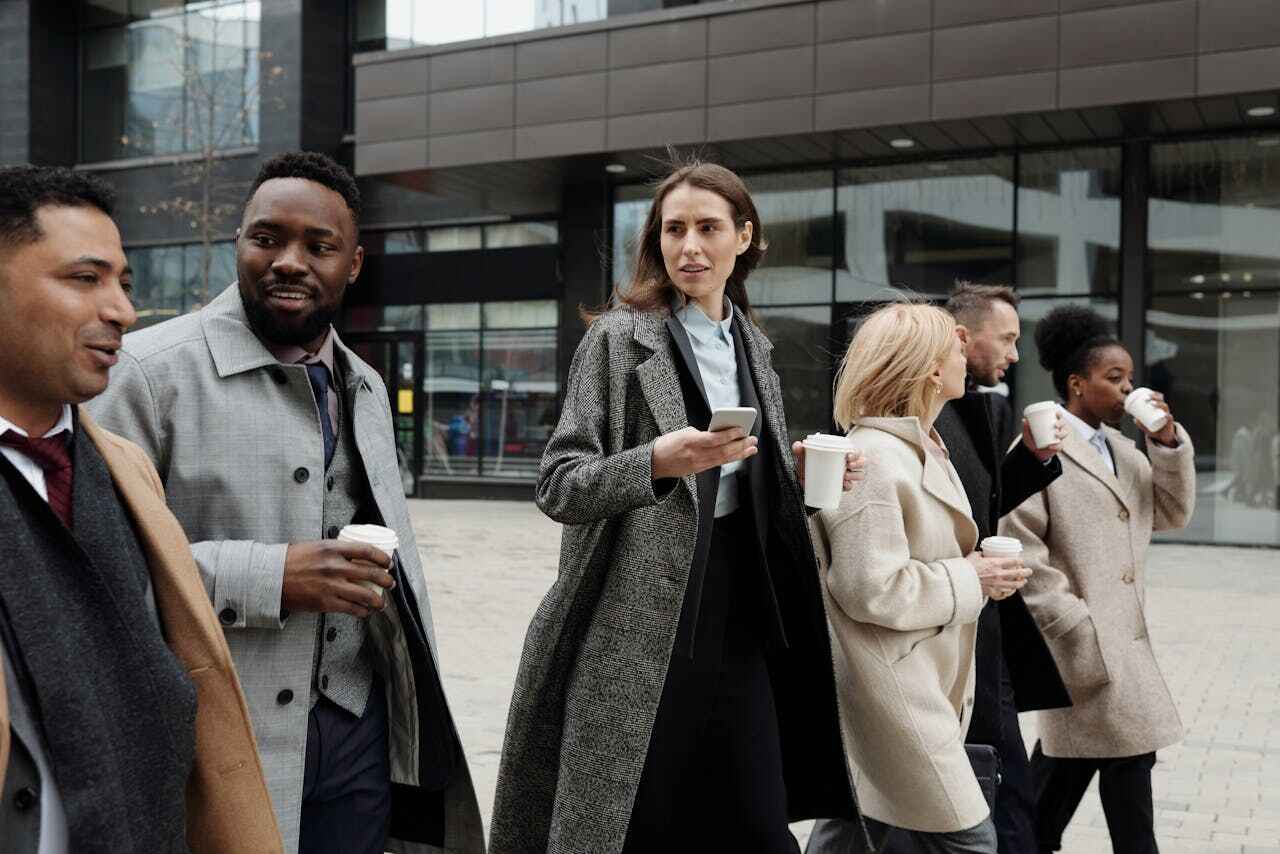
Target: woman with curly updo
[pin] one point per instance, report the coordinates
(1085, 537)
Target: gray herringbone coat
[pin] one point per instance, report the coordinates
(596, 654)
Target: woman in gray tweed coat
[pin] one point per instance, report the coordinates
(676, 690)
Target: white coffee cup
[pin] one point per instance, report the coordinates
(1001, 547)
(373, 535)
(824, 465)
(1043, 417)
(1138, 403)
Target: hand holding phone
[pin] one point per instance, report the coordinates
(732, 416)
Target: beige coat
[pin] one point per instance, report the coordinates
(903, 604)
(1086, 537)
(228, 808)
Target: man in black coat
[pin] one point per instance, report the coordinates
(1015, 671)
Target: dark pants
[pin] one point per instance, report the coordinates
(838, 836)
(1124, 786)
(1015, 809)
(712, 777)
(346, 793)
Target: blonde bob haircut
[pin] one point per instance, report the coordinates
(887, 368)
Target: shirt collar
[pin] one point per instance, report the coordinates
(65, 422)
(292, 354)
(697, 324)
(1082, 429)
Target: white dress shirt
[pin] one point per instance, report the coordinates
(53, 818)
(1094, 437)
(23, 463)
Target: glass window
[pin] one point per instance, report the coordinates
(1213, 341)
(1069, 222)
(397, 24)
(170, 280)
(630, 207)
(461, 315)
(451, 387)
(404, 242)
(921, 226)
(802, 357)
(160, 79)
(796, 210)
(526, 314)
(453, 239)
(521, 234)
(518, 399)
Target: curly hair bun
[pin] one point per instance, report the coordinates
(1066, 329)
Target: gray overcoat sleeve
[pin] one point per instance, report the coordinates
(244, 576)
(585, 475)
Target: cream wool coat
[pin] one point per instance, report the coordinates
(903, 605)
(1085, 538)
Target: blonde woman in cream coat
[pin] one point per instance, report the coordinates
(904, 587)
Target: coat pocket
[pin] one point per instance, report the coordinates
(1079, 655)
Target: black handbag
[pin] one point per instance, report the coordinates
(985, 760)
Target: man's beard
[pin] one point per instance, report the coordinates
(269, 327)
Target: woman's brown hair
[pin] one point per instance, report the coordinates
(650, 288)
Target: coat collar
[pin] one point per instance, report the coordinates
(935, 479)
(1122, 450)
(236, 349)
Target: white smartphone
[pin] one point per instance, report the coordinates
(733, 416)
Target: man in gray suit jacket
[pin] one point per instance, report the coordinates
(270, 436)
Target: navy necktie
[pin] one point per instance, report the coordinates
(318, 373)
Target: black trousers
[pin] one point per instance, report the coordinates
(346, 791)
(1124, 785)
(1015, 810)
(712, 777)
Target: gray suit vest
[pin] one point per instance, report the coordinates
(343, 664)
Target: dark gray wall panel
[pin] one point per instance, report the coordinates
(1235, 24)
(391, 118)
(1129, 33)
(990, 96)
(651, 130)
(1239, 71)
(949, 13)
(658, 43)
(671, 86)
(898, 60)
(558, 139)
(897, 105)
(486, 146)
(760, 76)
(985, 50)
(763, 29)
(387, 79)
(769, 118)
(849, 19)
(561, 56)
(401, 156)
(1130, 81)
(482, 67)
(481, 108)
(560, 99)
(1081, 5)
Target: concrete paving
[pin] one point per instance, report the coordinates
(1215, 622)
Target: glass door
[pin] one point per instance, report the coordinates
(397, 357)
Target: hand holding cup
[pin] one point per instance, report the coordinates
(1048, 451)
(1152, 415)
(330, 576)
(999, 567)
(855, 466)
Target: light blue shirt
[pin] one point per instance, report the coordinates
(712, 344)
(1094, 437)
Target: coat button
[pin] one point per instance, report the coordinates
(331, 635)
(301, 475)
(328, 484)
(227, 616)
(25, 798)
(332, 533)
(1124, 515)
(279, 376)
(285, 697)
(1127, 578)
(324, 683)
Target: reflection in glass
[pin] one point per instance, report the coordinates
(513, 234)
(405, 242)
(803, 359)
(1069, 222)
(630, 206)
(168, 280)
(451, 422)
(518, 399)
(921, 226)
(796, 210)
(453, 239)
(398, 24)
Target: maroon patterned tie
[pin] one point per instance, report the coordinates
(53, 455)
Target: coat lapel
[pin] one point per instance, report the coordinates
(685, 349)
(1091, 461)
(1123, 452)
(660, 382)
(935, 480)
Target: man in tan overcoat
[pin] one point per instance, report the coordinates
(123, 728)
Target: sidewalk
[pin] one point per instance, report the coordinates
(1215, 622)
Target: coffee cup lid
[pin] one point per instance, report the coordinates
(1004, 544)
(1037, 407)
(375, 535)
(828, 442)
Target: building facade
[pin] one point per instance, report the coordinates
(1117, 153)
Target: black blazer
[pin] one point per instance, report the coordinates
(1006, 630)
